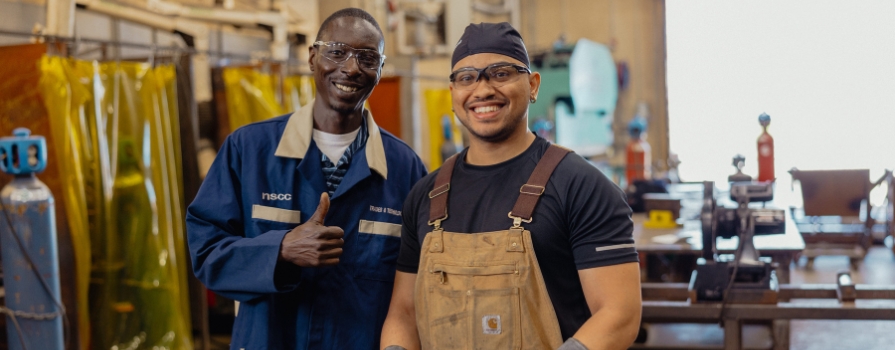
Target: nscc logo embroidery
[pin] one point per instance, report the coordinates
(276, 196)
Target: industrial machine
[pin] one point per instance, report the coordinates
(33, 305)
(745, 277)
(577, 97)
(743, 288)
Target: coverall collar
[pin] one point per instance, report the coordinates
(297, 139)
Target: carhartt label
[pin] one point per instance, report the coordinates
(276, 196)
(491, 324)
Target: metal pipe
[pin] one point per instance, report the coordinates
(61, 17)
(173, 49)
(787, 292)
(510, 7)
(678, 311)
(277, 21)
(415, 105)
(217, 52)
(59, 38)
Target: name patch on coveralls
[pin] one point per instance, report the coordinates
(391, 211)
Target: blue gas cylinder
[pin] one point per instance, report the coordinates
(33, 308)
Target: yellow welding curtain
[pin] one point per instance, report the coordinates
(65, 98)
(23, 105)
(121, 151)
(297, 91)
(254, 96)
(251, 96)
(440, 116)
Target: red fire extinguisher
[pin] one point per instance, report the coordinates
(765, 151)
(637, 152)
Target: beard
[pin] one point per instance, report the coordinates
(496, 136)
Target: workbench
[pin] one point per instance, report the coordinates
(668, 303)
(686, 240)
(781, 248)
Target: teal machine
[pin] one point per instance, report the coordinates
(577, 97)
(33, 310)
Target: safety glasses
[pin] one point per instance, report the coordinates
(497, 74)
(339, 53)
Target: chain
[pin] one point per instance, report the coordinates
(14, 314)
(30, 315)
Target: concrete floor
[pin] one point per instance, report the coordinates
(877, 268)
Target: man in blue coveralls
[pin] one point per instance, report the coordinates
(299, 217)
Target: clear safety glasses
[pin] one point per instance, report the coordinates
(339, 53)
(497, 74)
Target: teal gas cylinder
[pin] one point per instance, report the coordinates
(34, 314)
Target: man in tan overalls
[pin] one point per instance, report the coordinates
(514, 243)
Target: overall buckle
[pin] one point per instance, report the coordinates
(517, 221)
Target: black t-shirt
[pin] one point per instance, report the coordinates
(582, 221)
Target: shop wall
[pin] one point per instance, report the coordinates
(25, 15)
(634, 30)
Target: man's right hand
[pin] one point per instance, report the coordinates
(312, 244)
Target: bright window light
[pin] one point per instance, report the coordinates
(823, 70)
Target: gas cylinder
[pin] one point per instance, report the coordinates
(765, 151)
(637, 152)
(29, 251)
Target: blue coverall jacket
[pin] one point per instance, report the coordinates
(266, 180)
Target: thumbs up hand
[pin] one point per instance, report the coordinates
(312, 244)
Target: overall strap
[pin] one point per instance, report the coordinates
(439, 195)
(531, 191)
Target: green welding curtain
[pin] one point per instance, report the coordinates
(122, 147)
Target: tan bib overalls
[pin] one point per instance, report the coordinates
(485, 290)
